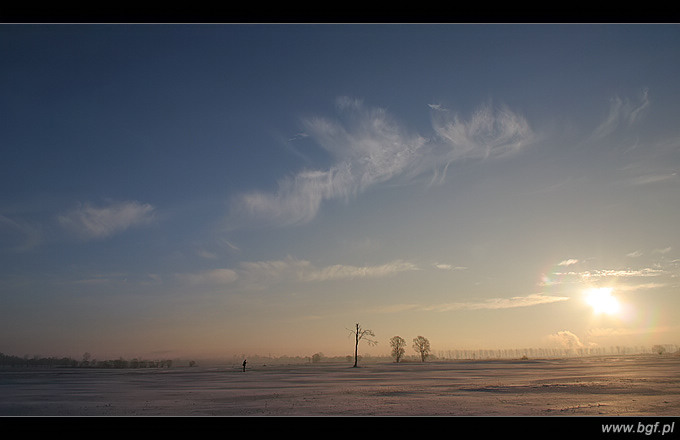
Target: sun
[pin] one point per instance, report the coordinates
(602, 301)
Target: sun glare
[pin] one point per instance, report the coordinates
(602, 301)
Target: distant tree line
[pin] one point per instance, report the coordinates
(16, 361)
(85, 362)
(555, 352)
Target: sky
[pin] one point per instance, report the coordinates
(228, 189)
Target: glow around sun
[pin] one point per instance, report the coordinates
(602, 301)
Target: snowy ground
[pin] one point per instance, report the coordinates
(599, 386)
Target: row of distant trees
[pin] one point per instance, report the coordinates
(85, 362)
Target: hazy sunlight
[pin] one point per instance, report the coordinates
(602, 301)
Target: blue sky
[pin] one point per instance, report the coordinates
(217, 190)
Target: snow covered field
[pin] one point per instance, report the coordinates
(642, 385)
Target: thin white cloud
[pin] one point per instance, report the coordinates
(231, 245)
(303, 270)
(298, 136)
(629, 279)
(212, 277)
(337, 272)
(504, 303)
(437, 107)
(654, 178)
(568, 262)
(298, 198)
(443, 266)
(639, 253)
(260, 273)
(622, 113)
(488, 304)
(644, 286)
(613, 273)
(489, 132)
(95, 222)
(624, 273)
(263, 273)
(206, 254)
(370, 147)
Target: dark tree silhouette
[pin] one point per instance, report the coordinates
(398, 347)
(361, 334)
(422, 346)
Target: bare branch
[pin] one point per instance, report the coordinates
(359, 335)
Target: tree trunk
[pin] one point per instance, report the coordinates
(356, 346)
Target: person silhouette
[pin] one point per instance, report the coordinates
(244, 365)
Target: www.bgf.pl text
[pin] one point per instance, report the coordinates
(641, 428)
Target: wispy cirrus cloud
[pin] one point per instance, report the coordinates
(86, 221)
(445, 266)
(487, 304)
(635, 287)
(212, 277)
(370, 147)
(263, 273)
(664, 176)
(297, 200)
(96, 222)
(622, 113)
(339, 272)
(639, 253)
(622, 277)
(625, 279)
(502, 303)
(489, 132)
(617, 273)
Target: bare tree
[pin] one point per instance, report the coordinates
(398, 347)
(422, 346)
(86, 359)
(361, 334)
